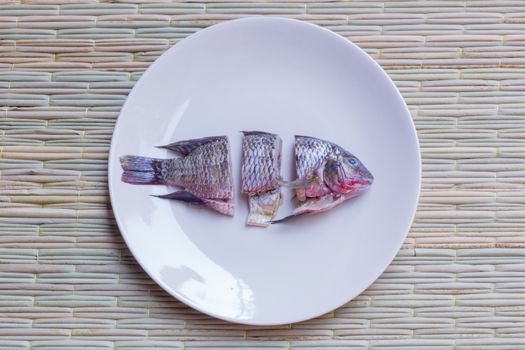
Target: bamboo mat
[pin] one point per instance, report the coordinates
(67, 280)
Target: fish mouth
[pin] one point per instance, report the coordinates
(354, 186)
(369, 181)
(366, 177)
(364, 184)
(363, 181)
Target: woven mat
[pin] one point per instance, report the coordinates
(67, 280)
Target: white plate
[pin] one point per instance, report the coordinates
(287, 77)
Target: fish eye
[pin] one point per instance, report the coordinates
(352, 161)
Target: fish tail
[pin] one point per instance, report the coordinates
(142, 170)
(222, 206)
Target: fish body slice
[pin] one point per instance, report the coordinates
(202, 170)
(261, 161)
(263, 207)
(260, 175)
(310, 155)
(205, 172)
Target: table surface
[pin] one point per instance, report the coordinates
(67, 280)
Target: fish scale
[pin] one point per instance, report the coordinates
(310, 154)
(205, 172)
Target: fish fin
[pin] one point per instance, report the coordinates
(286, 218)
(297, 137)
(183, 196)
(222, 206)
(314, 205)
(248, 133)
(308, 137)
(185, 147)
(225, 207)
(319, 204)
(142, 170)
(315, 177)
(298, 183)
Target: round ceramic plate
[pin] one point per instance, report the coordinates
(286, 77)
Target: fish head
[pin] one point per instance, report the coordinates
(345, 174)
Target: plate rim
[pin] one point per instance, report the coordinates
(135, 88)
